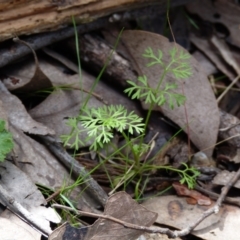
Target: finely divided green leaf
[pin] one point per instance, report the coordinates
(6, 141)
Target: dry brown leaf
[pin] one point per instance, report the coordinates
(20, 185)
(32, 157)
(205, 63)
(58, 233)
(26, 76)
(225, 52)
(120, 206)
(201, 105)
(219, 12)
(21, 188)
(15, 229)
(156, 236)
(230, 127)
(18, 116)
(60, 105)
(221, 226)
(55, 110)
(223, 178)
(205, 46)
(183, 190)
(41, 166)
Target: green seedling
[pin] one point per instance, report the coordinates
(101, 123)
(178, 66)
(6, 141)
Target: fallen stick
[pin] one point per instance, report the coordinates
(167, 231)
(77, 169)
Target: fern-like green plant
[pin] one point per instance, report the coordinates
(100, 123)
(179, 66)
(6, 141)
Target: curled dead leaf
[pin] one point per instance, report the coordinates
(183, 190)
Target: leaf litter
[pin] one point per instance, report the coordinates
(121, 206)
(176, 212)
(201, 106)
(49, 118)
(62, 104)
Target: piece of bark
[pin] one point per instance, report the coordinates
(39, 16)
(95, 52)
(229, 129)
(15, 51)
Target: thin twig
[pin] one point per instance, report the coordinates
(229, 127)
(227, 89)
(54, 195)
(152, 145)
(125, 224)
(170, 233)
(214, 209)
(213, 195)
(218, 143)
(121, 181)
(77, 169)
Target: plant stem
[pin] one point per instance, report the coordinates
(152, 103)
(78, 56)
(130, 144)
(102, 70)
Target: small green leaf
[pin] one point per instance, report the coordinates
(100, 122)
(6, 141)
(160, 54)
(173, 52)
(181, 73)
(184, 55)
(143, 80)
(152, 63)
(148, 52)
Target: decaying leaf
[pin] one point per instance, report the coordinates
(18, 116)
(32, 158)
(21, 188)
(230, 127)
(223, 178)
(15, 228)
(13, 179)
(120, 206)
(201, 105)
(62, 104)
(42, 167)
(225, 52)
(183, 190)
(206, 47)
(221, 226)
(25, 77)
(205, 63)
(222, 13)
(156, 236)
